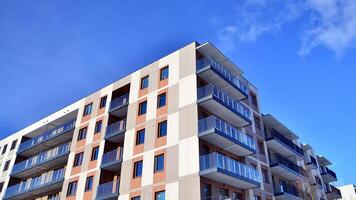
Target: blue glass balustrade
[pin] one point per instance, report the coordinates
(119, 102)
(287, 188)
(108, 189)
(116, 128)
(112, 156)
(273, 134)
(276, 159)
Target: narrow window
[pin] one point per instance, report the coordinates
(88, 109)
(4, 149)
(159, 163)
(13, 145)
(1, 186)
(140, 137)
(72, 188)
(138, 169)
(164, 73)
(89, 183)
(136, 198)
(6, 166)
(257, 122)
(78, 159)
(95, 153)
(98, 126)
(103, 102)
(254, 99)
(265, 176)
(261, 148)
(160, 195)
(142, 108)
(162, 129)
(161, 100)
(144, 82)
(82, 134)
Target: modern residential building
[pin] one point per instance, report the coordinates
(187, 126)
(348, 192)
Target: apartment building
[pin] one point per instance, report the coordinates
(187, 126)
(348, 192)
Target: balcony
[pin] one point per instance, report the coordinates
(213, 72)
(115, 132)
(47, 139)
(216, 131)
(283, 145)
(118, 106)
(108, 191)
(286, 168)
(228, 171)
(36, 187)
(310, 160)
(223, 106)
(287, 192)
(112, 160)
(332, 192)
(41, 163)
(328, 175)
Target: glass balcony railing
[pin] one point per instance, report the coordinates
(287, 188)
(276, 159)
(232, 104)
(278, 136)
(228, 130)
(218, 68)
(35, 183)
(41, 158)
(330, 188)
(112, 156)
(216, 160)
(326, 170)
(120, 101)
(108, 189)
(115, 128)
(48, 135)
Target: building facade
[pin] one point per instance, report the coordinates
(188, 126)
(348, 192)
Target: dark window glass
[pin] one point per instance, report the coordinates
(6, 166)
(78, 159)
(89, 183)
(95, 153)
(13, 144)
(140, 137)
(161, 100)
(265, 176)
(207, 194)
(161, 195)
(98, 126)
(4, 149)
(82, 134)
(164, 73)
(159, 163)
(87, 109)
(138, 169)
(261, 148)
(103, 102)
(72, 188)
(136, 198)
(162, 129)
(144, 82)
(142, 108)
(253, 99)
(257, 122)
(1, 186)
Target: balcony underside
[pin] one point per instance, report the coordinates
(119, 111)
(211, 75)
(219, 139)
(333, 195)
(285, 172)
(45, 190)
(283, 149)
(228, 178)
(328, 178)
(112, 196)
(286, 196)
(116, 137)
(217, 107)
(114, 166)
(59, 139)
(42, 168)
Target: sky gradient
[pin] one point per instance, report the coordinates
(301, 58)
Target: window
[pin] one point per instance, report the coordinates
(140, 137)
(82, 133)
(159, 163)
(144, 82)
(103, 102)
(95, 153)
(162, 129)
(13, 145)
(207, 193)
(53, 197)
(160, 195)
(265, 176)
(88, 109)
(89, 183)
(237, 196)
(1, 186)
(136, 198)
(6, 166)
(261, 148)
(142, 108)
(72, 188)
(78, 159)
(253, 99)
(98, 125)
(163, 73)
(138, 169)
(161, 100)
(257, 122)
(4, 149)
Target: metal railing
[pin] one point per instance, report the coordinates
(108, 189)
(116, 127)
(232, 79)
(48, 135)
(232, 104)
(278, 136)
(287, 188)
(41, 158)
(112, 156)
(330, 188)
(326, 170)
(278, 159)
(213, 122)
(120, 101)
(216, 160)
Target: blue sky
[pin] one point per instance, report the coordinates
(301, 56)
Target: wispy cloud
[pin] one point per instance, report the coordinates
(328, 23)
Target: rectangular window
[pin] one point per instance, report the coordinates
(257, 122)
(72, 188)
(78, 159)
(142, 108)
(163, 73)
(162, 129)
(144, 82)
(265, 175)
(82, 134)
(159, 163)
(87, 109)
(261, 148)
(13, 145)
(4, 149)
(138, 169)
(95, 153)
(161, 100)
(1, 186)
(136, 198)
(161, 195)
(253, 99)
(103, 102)
(140, 137)
(98, 126)
(89, 184)
(6, 166)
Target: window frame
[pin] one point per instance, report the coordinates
(103, 101)
(141, 131)
(4, 149)
(82, 133)
(94, 153)
(72, 188)
(13, 145)
(140, 108)
(162, 75)
(98, 124)
(88, 109)
(78, 159)
(136, 165)
(159, 129)
(6, 165)
(159, 98)
(89, 184)
(158, 193)
(142, 84)
(157, 164)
